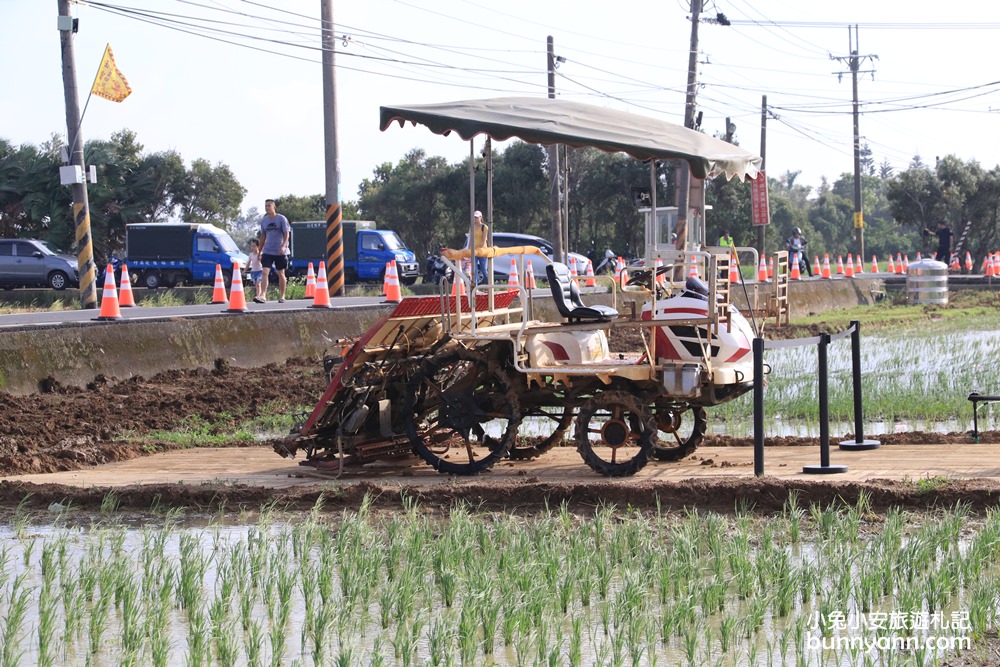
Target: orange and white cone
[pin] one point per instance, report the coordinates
(458, 286)
(321, 295)
(849, 266)
(892, 265)
(393, 294)
(693, 272)
(840, 265)
(899, 262)
(906, 263)
(529, 277)
(859, 266)
(657, 275)
(237, 299)
(310, 282)
(591, 280)
(795, 274)
(734, 274)
(512, 279)
(219, 290)
(125, 297)
(770, 268)
(817, 266)
(968, 261)
(623, 275)
(955, 266)
(762, 271)
(574, 275)
(826, 267)
(875, 263)
(109, 298)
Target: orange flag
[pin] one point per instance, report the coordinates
(110, 83)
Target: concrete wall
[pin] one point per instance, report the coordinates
(74, 355)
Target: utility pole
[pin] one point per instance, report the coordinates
(684, 169)
(81, 204)
(854, 64)
(763, 152)
(555, 210)
(334, 214)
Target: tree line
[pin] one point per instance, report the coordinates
(425, 199)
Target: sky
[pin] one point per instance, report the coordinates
(239, 83)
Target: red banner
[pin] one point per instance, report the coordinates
(758, 200)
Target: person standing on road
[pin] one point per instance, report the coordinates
(256, 269)
(797, 246)
(943, 233)
(274, 234)
(480, 241)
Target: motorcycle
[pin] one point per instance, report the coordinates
(435, 269)
(607, 265)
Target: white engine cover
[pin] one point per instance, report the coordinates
(684, 343)
(567, 347)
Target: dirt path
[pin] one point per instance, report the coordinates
(105, 436)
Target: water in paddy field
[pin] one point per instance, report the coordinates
(405, 589)
(910, 381)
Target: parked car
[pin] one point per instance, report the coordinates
(34, 263)
(501, 263)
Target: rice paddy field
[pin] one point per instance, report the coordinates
(915, 377)
(834, 585)
(828, 584)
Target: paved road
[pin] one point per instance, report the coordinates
(77, 316)
(262, 467)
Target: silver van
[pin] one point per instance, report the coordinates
(33, 263)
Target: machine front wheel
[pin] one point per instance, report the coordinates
(615, 433)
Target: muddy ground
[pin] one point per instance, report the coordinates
(67, 428)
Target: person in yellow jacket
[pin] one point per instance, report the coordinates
(480, 240)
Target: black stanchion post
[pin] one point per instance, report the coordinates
(758, 407)
(859, 443)
(824, 466)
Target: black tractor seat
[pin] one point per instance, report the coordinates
(567, 298)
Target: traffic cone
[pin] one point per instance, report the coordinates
(623, 275)
(734, 273)
(899, 262)
(817, 267)
(918, 256)
(310, 282)
(392, 292)
(892, 265)
(968, 262)
(529, 277)
(591, 280)
(693, 272)
(237, 300)
(219, 291)
(762, 271)
(619, 265)
(796, 274)
(573, 273)
(826, 267)
(840, 265)
(859, 266)
(512, 279)
(109, 298)
(875, 264)
(848, 267)
(458, 286)
(906, 263)
(125, 297)
(321, 295)
(955, 266)
(770, 268)
(988, 265)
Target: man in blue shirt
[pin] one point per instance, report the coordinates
(274, 234)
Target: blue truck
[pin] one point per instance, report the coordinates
(170, 254)
(366, 251)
